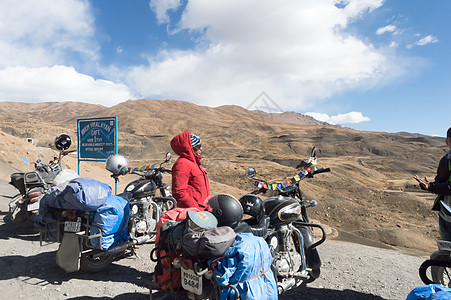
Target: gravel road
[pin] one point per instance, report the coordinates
(29, 271)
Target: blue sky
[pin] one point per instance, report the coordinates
(369, 64)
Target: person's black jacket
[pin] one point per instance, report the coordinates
(441, 186)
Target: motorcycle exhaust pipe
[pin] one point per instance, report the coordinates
(120, 248)
(285, 285)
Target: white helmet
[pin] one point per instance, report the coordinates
(117, 164)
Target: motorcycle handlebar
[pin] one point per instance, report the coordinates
(310, 175)
(64, 153)
(322, 170)
(141, 173)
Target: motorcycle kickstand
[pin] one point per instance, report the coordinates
(133, 252)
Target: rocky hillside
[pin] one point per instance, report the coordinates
(370, 192)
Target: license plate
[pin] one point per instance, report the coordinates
(33, 206)
(70, 226)
(444, 245)
(191, 282)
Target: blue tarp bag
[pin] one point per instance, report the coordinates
(85, 194)
(430, 292)
(112, 219)
(82, 193)
(247, 266)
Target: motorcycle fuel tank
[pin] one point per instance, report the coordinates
(282, 210)
(141, 188)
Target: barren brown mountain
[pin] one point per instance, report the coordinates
(370, 192)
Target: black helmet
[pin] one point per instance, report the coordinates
(253, 207)
(227, 209)
(63, 142)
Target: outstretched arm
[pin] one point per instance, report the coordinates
(439, 188)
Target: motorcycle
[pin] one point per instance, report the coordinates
(92, 236)
(141, 195)
(289, 234)
(34, 184)
(285, 228)
(439, 264)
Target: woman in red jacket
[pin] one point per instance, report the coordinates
(190, 186)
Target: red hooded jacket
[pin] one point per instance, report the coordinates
(190, 186)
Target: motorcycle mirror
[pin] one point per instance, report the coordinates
(314, 151)
(312, 203)
(168, 157)
(250, 173)
(25, 160)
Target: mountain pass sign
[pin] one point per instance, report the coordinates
(97, 138)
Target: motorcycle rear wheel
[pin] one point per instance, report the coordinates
(94, 265)
(17, 212)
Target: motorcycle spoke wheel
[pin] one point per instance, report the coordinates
(440, 271)
(441, 275)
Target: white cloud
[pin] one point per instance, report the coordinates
(348, 118)
(393, 45)
(47, 33)
(388, 28)
(430, 39)
(58, 83)
(161, 7)
(293, 50)
(299, 52)
(39, 42)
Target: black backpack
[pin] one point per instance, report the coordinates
(208, 244)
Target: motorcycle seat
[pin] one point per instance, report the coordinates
(261, 228)
(17, 180)
(126, 195)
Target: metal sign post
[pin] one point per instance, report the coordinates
(97, 139)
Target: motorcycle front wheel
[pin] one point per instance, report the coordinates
(92, 264)
(440, 271)
(314, 273)
(441, 275)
